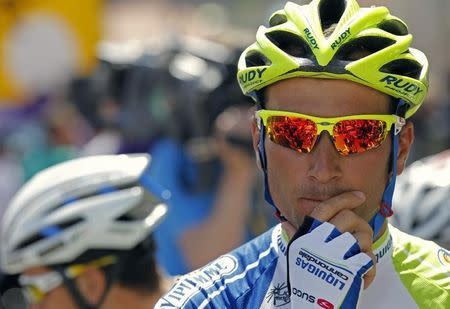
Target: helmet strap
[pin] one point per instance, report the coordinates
(263, 161)
(386, 211)
(79, 299)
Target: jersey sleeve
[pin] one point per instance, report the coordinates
(239, 279)
(424, 269)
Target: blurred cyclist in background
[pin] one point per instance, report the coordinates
(422, 199)
(180, 102)
(78, 234)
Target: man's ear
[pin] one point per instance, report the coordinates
(255, 138)
(405, 141)
(92, 284)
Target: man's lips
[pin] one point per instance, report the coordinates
(315, 198)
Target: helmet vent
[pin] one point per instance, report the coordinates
(290, 43)
(52, 248)
(69, 223)
(394, 26)
(404, 67)
(362, 47)
(141, 210)
(47, 232)
(330, 12)
(256, 59)
(277, 19)
(29, 241)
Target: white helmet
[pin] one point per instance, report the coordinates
(422, 199)
(98, 202)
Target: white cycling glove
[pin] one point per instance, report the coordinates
(325, 267)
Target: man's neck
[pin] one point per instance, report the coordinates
(382, 246)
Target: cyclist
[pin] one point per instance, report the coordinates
(78, 235)
(422, 199)
(333, 83)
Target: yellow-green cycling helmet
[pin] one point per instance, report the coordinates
(337, 39)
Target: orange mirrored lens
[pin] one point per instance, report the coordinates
(349, 136)
(356, 136)
(296, 133)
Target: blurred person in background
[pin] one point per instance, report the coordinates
(422, 199)
(126, 99)
(206, 160)
(44, 45)
(181, 104)
(79, 235)
(10, 175)
(64, 131)
(334, 84)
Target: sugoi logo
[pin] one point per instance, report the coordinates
(325, 303)
(444, 257)
(311, 38)
(278, 295)
(251, 75)
(344, 35)
(312, 299)
(400, 85)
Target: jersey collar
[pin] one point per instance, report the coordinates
(383, 246)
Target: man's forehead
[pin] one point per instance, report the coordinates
(324, 95)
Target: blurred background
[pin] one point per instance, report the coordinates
(118, 76)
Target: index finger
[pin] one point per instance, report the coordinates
(329, 208)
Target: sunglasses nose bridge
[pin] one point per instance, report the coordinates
(325, 126)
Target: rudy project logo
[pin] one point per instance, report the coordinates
(279, 295)
(310, 38)
(444, 257)
(249, 76)
(341, 39)
(400, 85)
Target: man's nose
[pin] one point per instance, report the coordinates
(324, 163)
